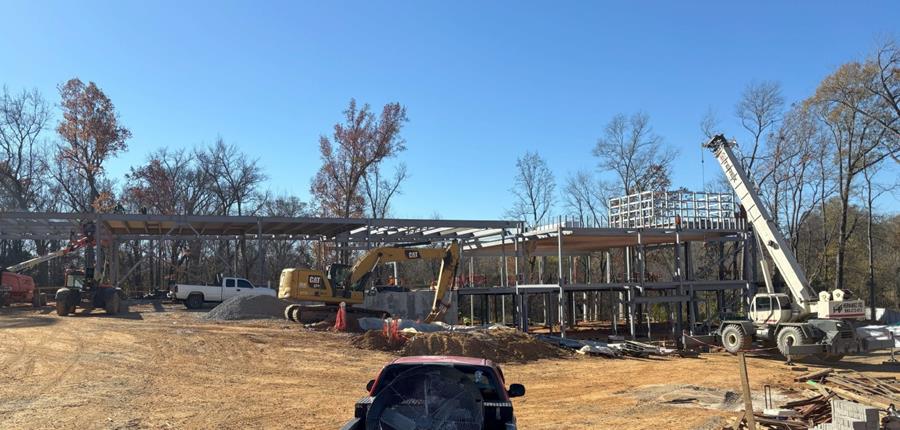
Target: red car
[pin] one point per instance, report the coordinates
(437, 393)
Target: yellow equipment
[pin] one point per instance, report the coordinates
(345, 284)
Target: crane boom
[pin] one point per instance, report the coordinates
(763, 224)
(27, 264)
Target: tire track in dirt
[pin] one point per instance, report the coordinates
(25, 401)
(7, 364)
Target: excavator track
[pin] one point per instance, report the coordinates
(309, 314)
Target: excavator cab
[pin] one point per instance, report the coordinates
(770, 308)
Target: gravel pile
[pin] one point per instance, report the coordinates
(248, 308)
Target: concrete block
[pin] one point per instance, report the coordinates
(413, 305)
(825, 426)
(852, 415)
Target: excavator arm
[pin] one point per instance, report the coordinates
(449, 257)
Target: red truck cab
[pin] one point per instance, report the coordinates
(421, 392)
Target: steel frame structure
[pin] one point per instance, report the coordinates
(568, 240)
(507, 240)
(348, 233)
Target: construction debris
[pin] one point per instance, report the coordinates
(586, 347)
(626, 348)
(878, 392)
(846, 399)
(247, 307)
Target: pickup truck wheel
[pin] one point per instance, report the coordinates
(194, 301)
(734, 339)
(790, 336)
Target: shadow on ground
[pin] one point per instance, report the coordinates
(23, 321)
(847, 363)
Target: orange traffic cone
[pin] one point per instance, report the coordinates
(340, 321)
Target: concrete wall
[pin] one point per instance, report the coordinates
(414, 305)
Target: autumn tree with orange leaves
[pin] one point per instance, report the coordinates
(356, 148)
(91, 135)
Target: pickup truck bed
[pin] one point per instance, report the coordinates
(194, 296)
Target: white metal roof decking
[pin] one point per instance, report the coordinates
(60, 226)
(584, 240)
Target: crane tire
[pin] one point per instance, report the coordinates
(734, 339)
(789, 336)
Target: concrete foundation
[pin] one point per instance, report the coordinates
(414, 305)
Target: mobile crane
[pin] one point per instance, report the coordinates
(801, 323)
(345, 284)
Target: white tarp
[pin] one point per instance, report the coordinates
(411, 326)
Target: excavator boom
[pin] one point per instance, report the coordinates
(307, 285)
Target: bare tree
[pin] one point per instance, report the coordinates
(234, 179)
(170, 183)
(587, 197)
(788, 162)
(534, 190)
(759, 109)
(709, 124)
(631, 150)
(878, 80)
(91, 135)
(23, 119)
(380, 190)
(858, 140)
(358, 145)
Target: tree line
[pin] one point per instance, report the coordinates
(55, 160)
(821, 164)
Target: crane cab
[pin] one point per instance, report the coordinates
(770, 309)
(309, 285)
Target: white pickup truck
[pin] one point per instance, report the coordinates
(194, 296)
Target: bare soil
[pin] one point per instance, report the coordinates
(159, 366)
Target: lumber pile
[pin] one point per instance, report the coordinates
(879, 392)
(834, 386)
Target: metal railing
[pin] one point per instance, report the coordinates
(673, 209)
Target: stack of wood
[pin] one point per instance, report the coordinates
(874, 391)
(879, 392)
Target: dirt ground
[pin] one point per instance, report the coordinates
(159, 366)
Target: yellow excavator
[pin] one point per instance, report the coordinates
(318, 294)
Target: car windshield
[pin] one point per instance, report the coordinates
(477, 376)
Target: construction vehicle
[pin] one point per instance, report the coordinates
(82, 288)
(18, 288)
(319, 293)
(800, 323)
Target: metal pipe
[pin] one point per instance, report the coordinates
(562, 301)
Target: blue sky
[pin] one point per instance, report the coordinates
(483, 82)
